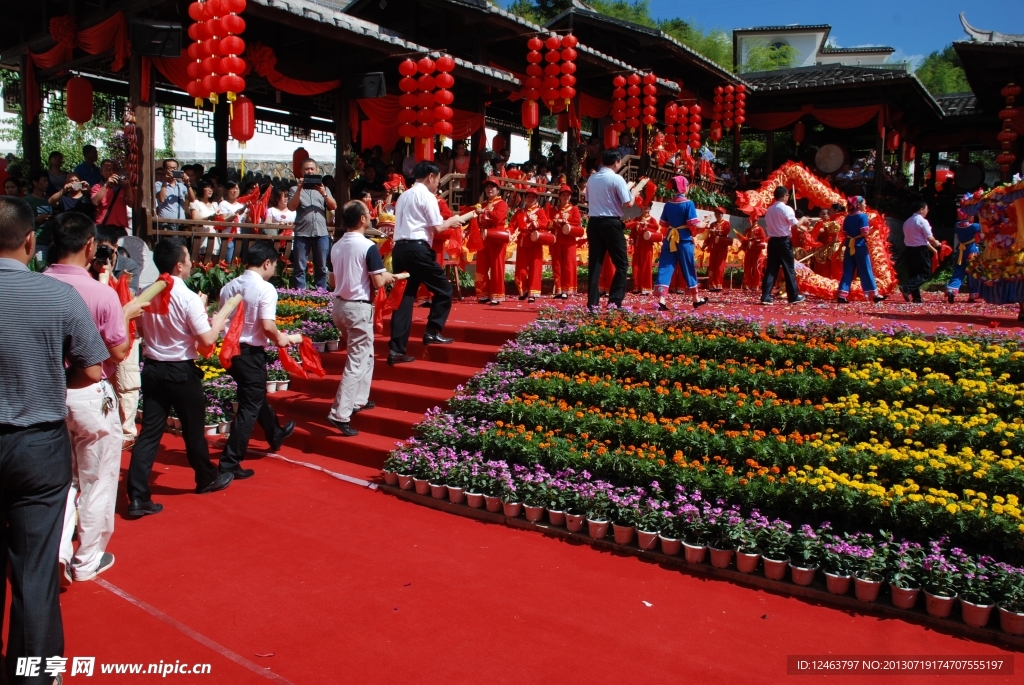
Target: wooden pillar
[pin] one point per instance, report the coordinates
(30, 143)
(919, 170)
(736, 153)
(220, 140)
(141, 103)
(474, 184)
(572, 152)
(535, 143)
(769, 152)
(879, 163)
(342, 140)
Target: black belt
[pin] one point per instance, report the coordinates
(356, 301)
(248, 350)
(408, 240)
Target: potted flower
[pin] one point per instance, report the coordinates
(748, 551)
(437, 474)
(559, 498)
(1008, 585)
(493, 485)
(775, 540)
(457, 480)
(904, 573)
(511, 505)
(805, 553)
(573, 505)
(477, 482)
(214, 416)
(976, 589)
(724, 526)
(837, 562)
(869, 559)
(689, 525)
(533, 490)
(940, 577)
(624, 510)
(650, 522)
(596, 504)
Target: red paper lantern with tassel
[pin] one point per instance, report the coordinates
(740, 105)
(243, 123)
(618, 106)
(799, 131)
(611, 138)
(444, 97)
(79, 100)
(408, 99)
(298, 157)
(695, 126)
(568, 68)
(530, 116)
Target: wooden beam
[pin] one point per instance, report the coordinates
(220, 140)
(31, 144)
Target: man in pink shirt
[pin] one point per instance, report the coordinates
(93, 419)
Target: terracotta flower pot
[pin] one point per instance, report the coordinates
(623, 534)
(747, 560)
(405, 482)
(646, 539)
(512, 509)
(534, 514)
(556, 518)
(332, 345)
(438, 491)
(670, 546)
(904, 598)
(802, 576)
(422, 486)
(695, 554)
(574, 522)
(456, 495)
(475, 500)
(597, 529)
(391, 478)
(837, 583)
(721, 558)
(775, 569)
(939, 606)
(976, 615)
(493, 503)
(1011, 622)
(866, 589)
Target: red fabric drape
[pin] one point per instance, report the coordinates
(842, 117)
(111, 33)
(264, 61)
(381, 127)
(231, 347)
(174, 69)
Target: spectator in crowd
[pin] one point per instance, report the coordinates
(173, 194)
(278, 214)
(459, 163)
(39, 201)
(11, 187)
(190, 175)
(358, 273)
(111, 197)
(230, 209)
(93, 419)
(88, 171)
(73, 197)
(54, 346)
(369, 182)
(311, 237)
(203, 208)
(171, 379)
(55, 175)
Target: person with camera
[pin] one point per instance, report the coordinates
(93, 418)
(111, 198)
(88, 171)
(173, 194)
(73, 197)
(311, 200)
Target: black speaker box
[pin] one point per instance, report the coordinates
(366, 86)
(156, 38)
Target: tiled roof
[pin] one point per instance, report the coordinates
(791, 27)
(822, 75)
(957, 104)
(867, 49)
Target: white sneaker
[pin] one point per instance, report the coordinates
(106, 561)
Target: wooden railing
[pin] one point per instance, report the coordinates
(210, 248)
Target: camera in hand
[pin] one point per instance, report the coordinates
(103, 254)
(178, 174)
(312, 181)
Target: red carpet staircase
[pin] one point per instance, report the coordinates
(402, 393)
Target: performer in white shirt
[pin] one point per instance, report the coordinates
(249, 369)
(417, 219)
(779, 221)
(171, 328)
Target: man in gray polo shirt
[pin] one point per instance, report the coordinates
(173, 195)
(49, 323)
(310, 206)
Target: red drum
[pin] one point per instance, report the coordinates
(573, 231)
(497, 237)
(653, 237)
(542, 238)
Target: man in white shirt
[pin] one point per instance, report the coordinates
(607, 196)
(779, 222)
(417, 219)
(358, 272)
(249, 369)
(171, 328)
(920, 243)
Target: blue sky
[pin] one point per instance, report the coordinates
(914, 27)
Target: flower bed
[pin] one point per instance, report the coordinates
(786, 439)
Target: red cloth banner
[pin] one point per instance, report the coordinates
(264, 62)
(842, 117)
(310, 358)
(111, 33)
(290, 366)
(231, 347)
(381, 127)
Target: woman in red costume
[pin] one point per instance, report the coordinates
(643, 249)
(438, 245)
(491, 216)
(530, 253)
(717, 244)
(754, 243)
(566, 216)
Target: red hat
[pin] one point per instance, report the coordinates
(531, 190)
(721, 210)
(491, 180)
(564, 189)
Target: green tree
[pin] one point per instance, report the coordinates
(764, 57)
(941, 72)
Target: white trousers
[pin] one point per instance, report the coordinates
(355, 321)
(127, 382)
(95, 466)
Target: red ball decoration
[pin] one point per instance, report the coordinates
(426, 117)
(196, 11)
(232, 23)
(407, 68)
(443, 112)
(230, 83)
(553, 42)
(79, 100)
(236, 6)
(425, 99)
(243, 123)
(425, 65)
(425, 82)
(619, 81)
(799, 132)
(231, 45)
(718, 91)
(568, 54)
(552, 56)
(443, 128)
(407, 100)
(444, 97)
(445, 63)
(231, 65)
(534, 57)
(569, 41)
(444, 80)
(534, 44)
(633, 79)
(408, 85)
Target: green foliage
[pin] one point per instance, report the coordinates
(168, 126)
(941, 72)
(764, 57)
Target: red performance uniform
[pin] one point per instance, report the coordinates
(490, 260)
(529, 254)
(438, 243)
(563, 252)
(717, 244)
(828, 261)
(754, 243)
(643, 252)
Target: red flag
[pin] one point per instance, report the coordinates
(161, 303)
(380, 302)
(289, 364)
(122, 286)
(474, 241)
(944, 251)
(231, 347)
(395, 298)
(310, 358)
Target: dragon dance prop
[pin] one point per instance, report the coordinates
(819, 193)
(1000, 265)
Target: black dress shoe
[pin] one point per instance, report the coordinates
(366, 407)
(426, 303)
(219, 483)
(434, 338)
(240, 473)
(400, 359)
(286, 431)
(139, 507)
(798, 300)
(523, 297)
(344, 428)
(483, 300)
(951, 296)
(662, 307)
(878, 298)
(531, 300)
(697, 304)
(842, 300)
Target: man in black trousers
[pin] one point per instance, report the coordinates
(171, 379)
(607, 195)
(249, 369)
(417, 219)
(779, 222)
(47, 322)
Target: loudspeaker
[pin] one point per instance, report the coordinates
(156, 38)
(370, 85)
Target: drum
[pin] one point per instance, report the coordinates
(653, 237)
(542, 238)
(494, 236)
(830, 158)
(573, 231)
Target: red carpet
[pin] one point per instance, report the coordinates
(344, 584)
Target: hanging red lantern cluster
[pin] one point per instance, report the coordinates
(633, 102)
(407, 100)
(216, 65)
(695, 126)
(568, 69)
(532, 85)
(425, 115)
(740, 105)
(682, 127)
(650, 100)
(78, 100)
(729, 111)
(443, 96)
(552, 84)
(231, 66)
(1005, 159)
(617, 111)
(671, 117)
(717, 110)
(198, 31)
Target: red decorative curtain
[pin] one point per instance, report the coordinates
(263, 61)
(381, 128)
(109, 34)
(843, 117)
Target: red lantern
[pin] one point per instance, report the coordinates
(425, 65)
(633, 79)
(553, 42)
(892, 140)
(569, 41)
(445, 63)
(443, 129)
(498, 142)
(298, 157)
(716, 132)
(243, 124)
(619, 82)
(1011, 90)
(530, 115)
(425, 82)
(79, 100)
(563, 122)
(799, 131)
(611, 138)
(407, 68)
(534, 44)
(695, 126)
